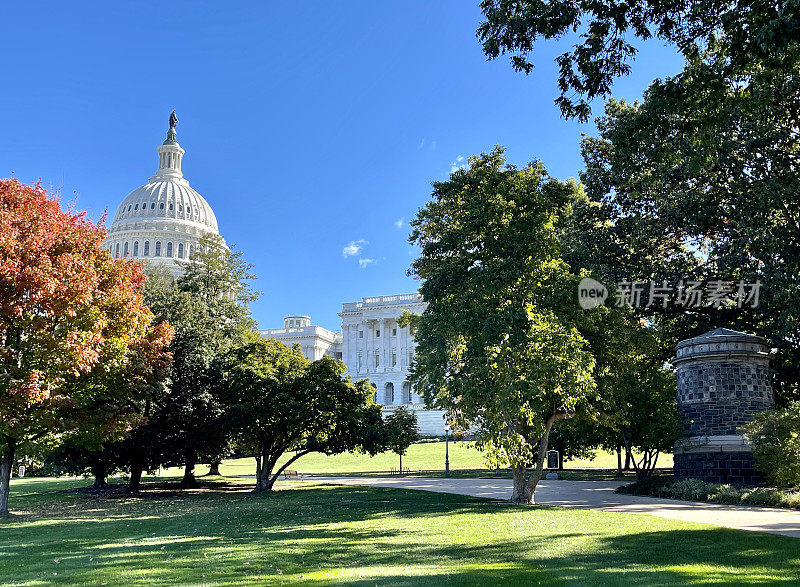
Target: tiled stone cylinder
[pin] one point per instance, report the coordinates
(723, 382)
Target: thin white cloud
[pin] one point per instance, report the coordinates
(354, 248)
(399, 222)
(458, 164)
(426, 144)
(364, 263)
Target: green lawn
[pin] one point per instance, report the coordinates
(424, 456)
(322, 534)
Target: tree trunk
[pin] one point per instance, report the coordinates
(401, 464)
(263, 471)
(619, 461)
(524, 487)
(258, 472)
(136, 478)
(189, 479)
(267, 478)
(525, 481)
(627, 458)
(100, 479)
(213, 468)
(6, 463)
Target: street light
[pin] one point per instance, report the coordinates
(447, 450)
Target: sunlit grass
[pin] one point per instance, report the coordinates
(427, 457)
(321, 534)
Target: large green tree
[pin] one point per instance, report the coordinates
(499, 345)
(69, 314)
(710, 158)
(208, 307)
(279, 401)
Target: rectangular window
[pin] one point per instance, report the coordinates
(377, 334)
(394, 358)
(377, 360)
(410, 357)
(359, 361)
(394, 331)
(360, 334)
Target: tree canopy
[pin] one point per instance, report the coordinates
(747, 32)
(499, 344)
(70, 315)
(279, 401)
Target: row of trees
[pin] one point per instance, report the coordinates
(229, 389)
(107, 369)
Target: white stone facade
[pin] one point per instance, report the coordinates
(375, 347)
(314, 341)
(372, 346)
(162, 221)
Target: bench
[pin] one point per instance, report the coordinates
(290, 474)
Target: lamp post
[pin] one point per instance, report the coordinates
(447, 450)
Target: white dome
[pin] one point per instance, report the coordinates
(166, 199)
(163, 220)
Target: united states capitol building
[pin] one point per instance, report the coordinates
(373, 346)
(162, 222)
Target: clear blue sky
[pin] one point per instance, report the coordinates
(307, 125)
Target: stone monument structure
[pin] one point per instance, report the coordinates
(723, 382)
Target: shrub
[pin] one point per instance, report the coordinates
(699, 490)
(775, 438)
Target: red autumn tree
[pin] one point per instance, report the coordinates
(68, 314)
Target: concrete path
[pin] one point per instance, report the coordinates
(598, 495)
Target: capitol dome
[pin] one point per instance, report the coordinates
(163, 220)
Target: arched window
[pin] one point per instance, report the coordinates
(191, 251)
(180, 251)
(146, 248)
(169, 249)
(117, 250)
(135, 248)
(153, 206)
(171, 206)
(161, 206)
(136, 207)
(180, 207)
(388, 393)
(129, 207)
(405, 398)
(125, 249)
(188, 209)
(158, 249)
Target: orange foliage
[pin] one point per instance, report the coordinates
(66, 308)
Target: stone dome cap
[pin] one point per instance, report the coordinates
(722, 343)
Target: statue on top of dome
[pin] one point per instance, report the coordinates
(171, 134)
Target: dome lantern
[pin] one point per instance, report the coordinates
(170, 152)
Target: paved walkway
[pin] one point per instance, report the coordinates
(599, 495)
